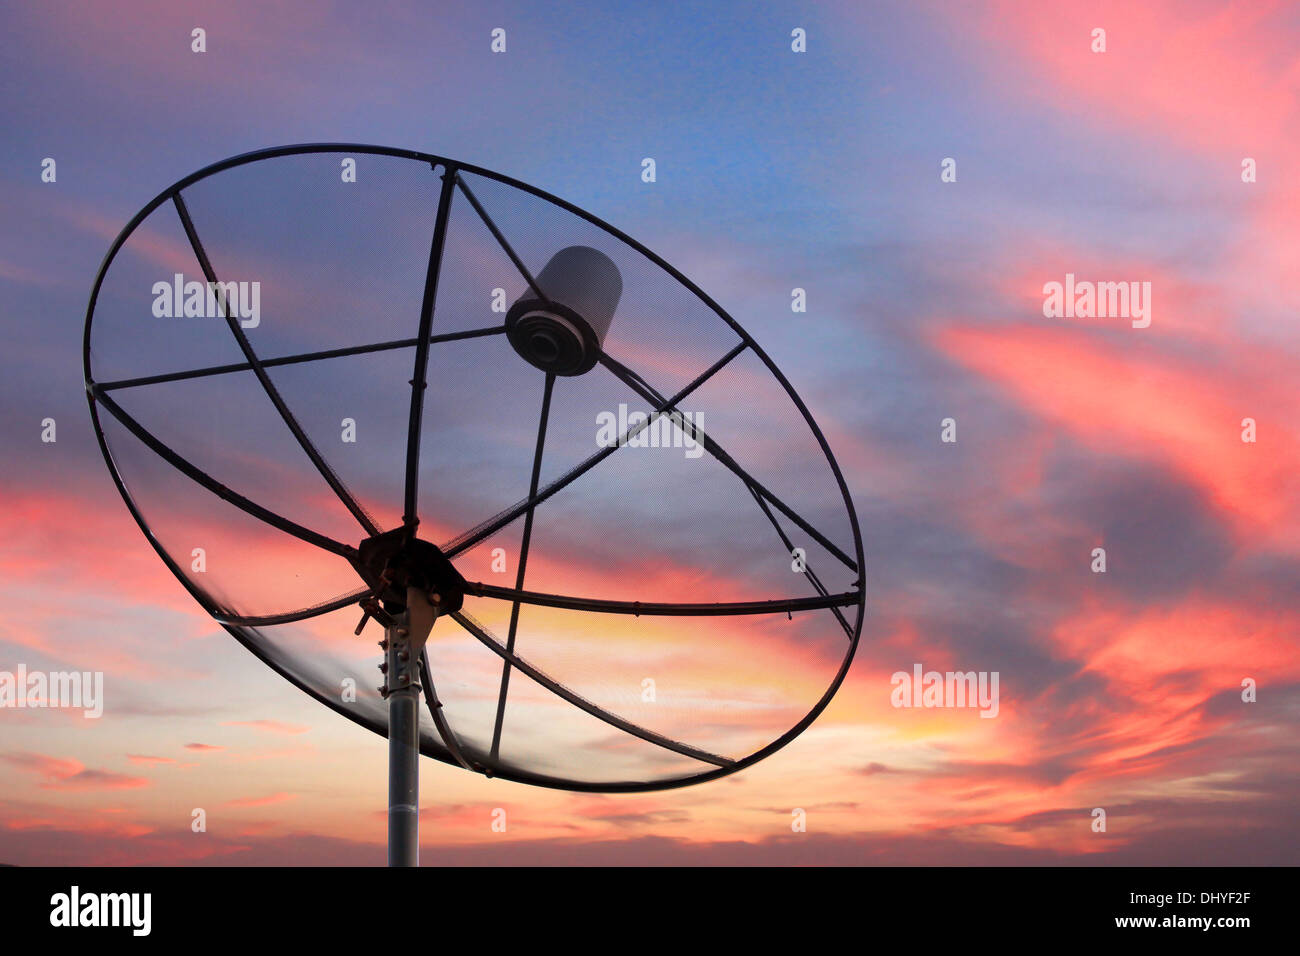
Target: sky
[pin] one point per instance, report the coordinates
(923, 171)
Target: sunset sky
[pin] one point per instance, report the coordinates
(776, 170)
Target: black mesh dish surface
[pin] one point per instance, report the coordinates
(663, 560)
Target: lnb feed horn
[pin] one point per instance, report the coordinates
(560, 321)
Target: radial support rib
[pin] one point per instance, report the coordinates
(523, 562)
(555, 687)
(296, 359)
(268, 620)
(495, 524)
(267, 385)
(640, 609)
(217, 488)
(449, 739)
(639, 385)
(807, 570)
(418, 379)
(501, 240)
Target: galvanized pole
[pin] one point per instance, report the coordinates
(405, 639)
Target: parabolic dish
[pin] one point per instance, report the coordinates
(690, 595)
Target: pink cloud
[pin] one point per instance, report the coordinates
(61, 774)
(269, 726)
(262, 801)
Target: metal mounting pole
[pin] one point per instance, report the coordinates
(404, 642)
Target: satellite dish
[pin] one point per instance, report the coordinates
(337, 378)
